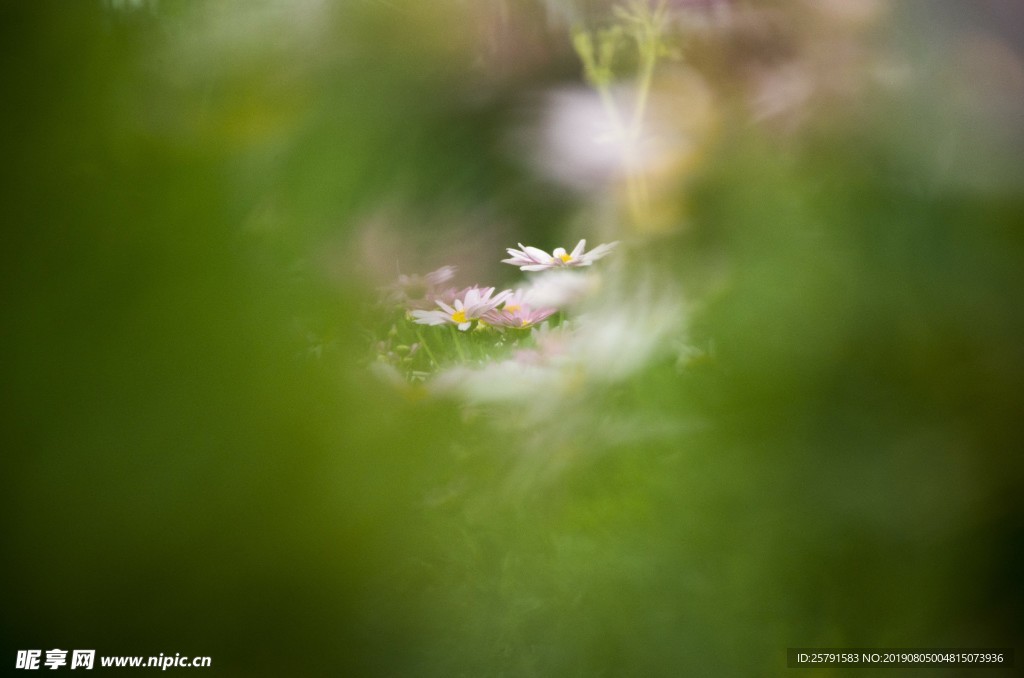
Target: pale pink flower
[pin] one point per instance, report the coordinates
(473, 305)
(517, 314)
(533, 259)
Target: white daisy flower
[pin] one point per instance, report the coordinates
(533, 259)
(472, 306)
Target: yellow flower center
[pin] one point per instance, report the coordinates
(565, 258)
(512, 309)
(459, 317)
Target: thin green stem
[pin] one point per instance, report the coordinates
(635, 184)
(647, 44)
(650, 58)
(458, 344)
(426, 347)
(610, 108)
(645, 24)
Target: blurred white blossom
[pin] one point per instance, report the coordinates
(562, 289)
(582, 143)
(616, 339)
(505, 381)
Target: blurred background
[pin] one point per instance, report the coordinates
(202, 199)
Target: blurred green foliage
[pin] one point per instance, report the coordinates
(182, 473)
